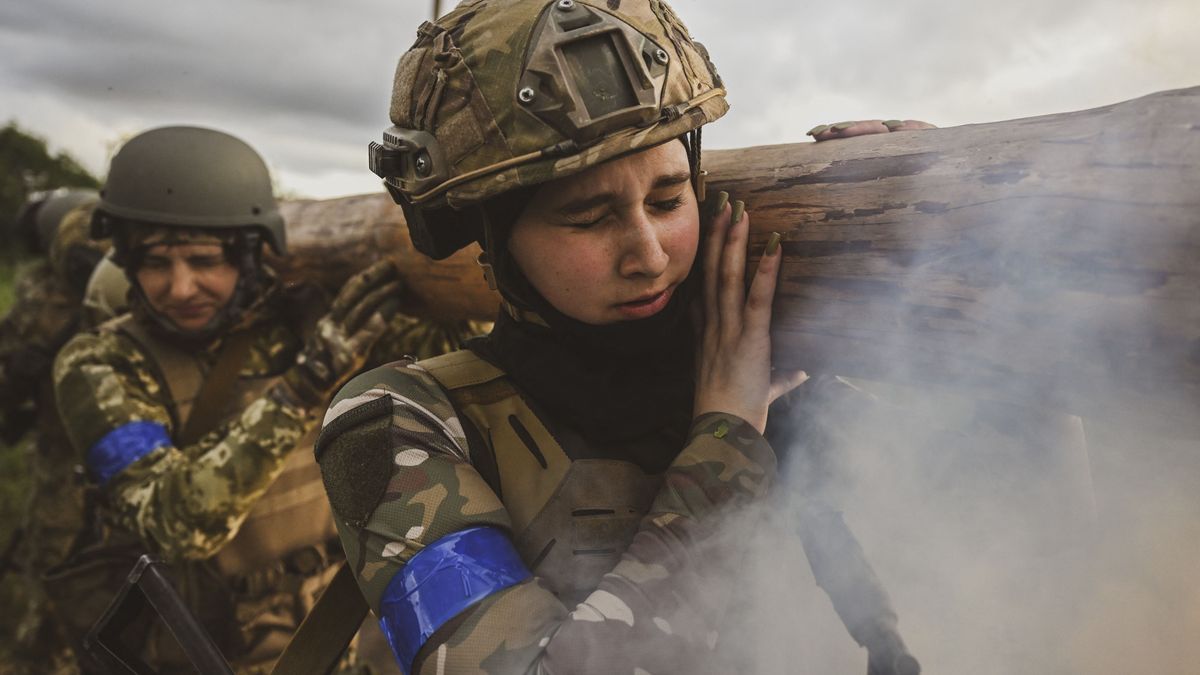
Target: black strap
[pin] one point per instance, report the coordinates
(318, 644)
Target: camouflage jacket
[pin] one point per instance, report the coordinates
(44, 314)
(188, 503)
(653, 608)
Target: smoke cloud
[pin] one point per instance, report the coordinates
(1012, 535)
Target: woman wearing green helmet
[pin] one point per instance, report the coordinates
(549, 499)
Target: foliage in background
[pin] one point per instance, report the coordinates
(14, 485)
(26, 165)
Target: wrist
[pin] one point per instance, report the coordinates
(736, 431)
(297, 388)
(756, 419)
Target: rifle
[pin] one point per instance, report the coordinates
(148, 587)
(840, 568)
(803, 425)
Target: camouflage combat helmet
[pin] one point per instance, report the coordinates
(189, 177)
(501, 94)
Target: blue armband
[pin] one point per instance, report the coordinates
(440, 581)
(123, 446)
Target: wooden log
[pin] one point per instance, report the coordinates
(1050, 260)
(328, 240)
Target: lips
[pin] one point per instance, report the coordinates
(647, 305)
(190, 311)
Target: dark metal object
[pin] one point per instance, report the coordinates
(149, 587)
(840, 568)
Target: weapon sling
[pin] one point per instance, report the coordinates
(325, 633)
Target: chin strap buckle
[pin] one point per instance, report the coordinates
(489, 273)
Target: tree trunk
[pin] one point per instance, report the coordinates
(1050, 260)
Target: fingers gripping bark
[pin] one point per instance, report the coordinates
(827, 132)
(342, 338)
(733, 370)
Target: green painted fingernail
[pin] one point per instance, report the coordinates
(820, 128)
(842, 126)
(892, 123)
(773, 244)
(719, 202)
(739, 209)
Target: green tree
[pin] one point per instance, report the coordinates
(26, 165)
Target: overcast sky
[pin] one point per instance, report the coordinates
(307, 83)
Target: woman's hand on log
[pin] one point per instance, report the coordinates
(733, 362)
(827, 132)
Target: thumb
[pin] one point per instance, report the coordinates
(783, 381)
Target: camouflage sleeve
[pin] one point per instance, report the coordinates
(185, 502)
(42, 317)
(644, 617)
(416, 338)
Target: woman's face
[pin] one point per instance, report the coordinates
(614, 242)
(187, 283)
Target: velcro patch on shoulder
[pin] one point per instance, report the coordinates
(356, 460)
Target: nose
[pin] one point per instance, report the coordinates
(642, 252)
(183, 282)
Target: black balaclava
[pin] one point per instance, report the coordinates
(612, 383)
(243, 250)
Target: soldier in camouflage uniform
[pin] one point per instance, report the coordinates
(45, 314)
(47, 295)
(195, 413)
(563, 496)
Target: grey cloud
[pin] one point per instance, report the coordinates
(311, 78)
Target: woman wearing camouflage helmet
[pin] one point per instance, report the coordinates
(548, 500)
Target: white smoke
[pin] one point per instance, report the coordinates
(1012, 536)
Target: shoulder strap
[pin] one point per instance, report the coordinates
(210, 403)
(458, 373)
(520, 453)
(181, 371)
(318, 643)
(463, 368)
(198, 399)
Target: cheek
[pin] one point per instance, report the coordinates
(571, 265)
(221, 282)
(153, 282)
(681, 239)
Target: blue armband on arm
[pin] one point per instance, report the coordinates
(123, 446)
(441, 581)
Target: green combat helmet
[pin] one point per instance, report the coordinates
(199, 182)
(501, 94)
(56, 207)
(37, 220)
(189, 177)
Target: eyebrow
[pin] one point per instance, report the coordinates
(588, 203)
